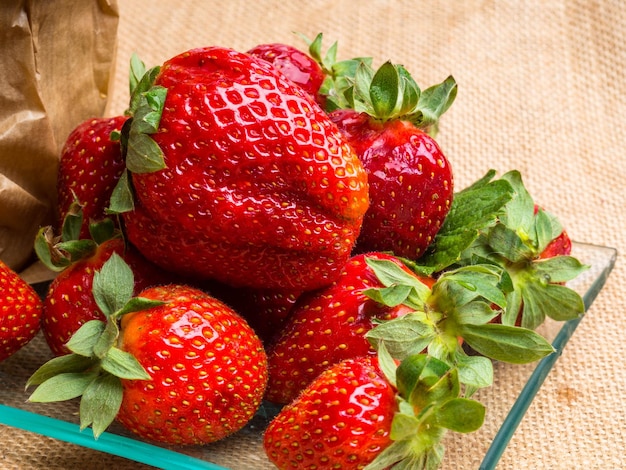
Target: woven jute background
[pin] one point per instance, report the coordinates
(541, 90)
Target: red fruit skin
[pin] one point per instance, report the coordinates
(89, 167)
(20, 312)
(328, 326)
(341, 420)
(208, 368)
(294, 64)
(265, 310)
(260, 190)
(69, 302)
(411, 183)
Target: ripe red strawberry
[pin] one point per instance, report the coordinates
(342, 420)
(256, 186)
(329, 325)
(411, 181)
(207, 366)
(266, 310)
(90, 165)
(20, 312)
(174, 364)
(69, 302)
(294, 64)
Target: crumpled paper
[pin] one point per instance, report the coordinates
(56, 62)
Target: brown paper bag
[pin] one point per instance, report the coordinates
(56, 60)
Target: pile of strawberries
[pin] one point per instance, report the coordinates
(279, 225)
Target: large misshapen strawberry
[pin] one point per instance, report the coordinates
(20, 312)
(386, 119)
(173, 364)
(239, 175)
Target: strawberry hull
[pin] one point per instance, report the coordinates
(259, 187)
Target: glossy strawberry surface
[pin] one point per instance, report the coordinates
(327, 326)
(20, 312)
(411, 183)
(260, 189)
(293, 63)
(89, 167)
(341, 420)
(208, 368)
(70, 303)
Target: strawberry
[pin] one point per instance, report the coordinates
(243, 179)
(20, 312)
(351, 416)
(174, 364)
(329, 325)
(69, 301)
(294, 64)
(411, 181)
(342, 420)
(90, 165)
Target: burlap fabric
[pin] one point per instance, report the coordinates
(541, 89)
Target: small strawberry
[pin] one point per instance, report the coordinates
(174, 364)
(90, 165)
(20, 312)
(351, 416)
(411, 181)
(294, 64)
(69, 301)
(239, 176)
(329, 325)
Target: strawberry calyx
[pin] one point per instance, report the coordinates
(95, 367)
(142, 154)
(459, 309)
(430, 403)
(58, 252)
(390, 92)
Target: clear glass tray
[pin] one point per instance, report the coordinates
(244, 450)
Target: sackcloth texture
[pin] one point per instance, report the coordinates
(540, 89)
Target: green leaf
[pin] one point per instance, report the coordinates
(47, 253)
(122, 199)
(102, 230)
(459, 287)
(83, 340)
(59, 365)
(390, 274)
(384, 90)
(434, 101)
(513, 308)
(148, 114)
(520, 212)
(137, 71)
(410, 92)
(506, 343)
(397, 451)
(474, 371)
(417, 373)
(386, 363)
(100, 403)
(390, 296)
(461, 415)
(559, 268)
(506, 242)
(143, 155)
(144, 85)
(553, 300)
(73, 221)
(404, 426)
(77, 249)
(62, 387)
(473, 210)
(362, 80)
(476, 313)
(108, 338)
(113, 285)
(403, 336)
(123, 365)
(137, 304)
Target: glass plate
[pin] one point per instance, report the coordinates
(244, 450)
